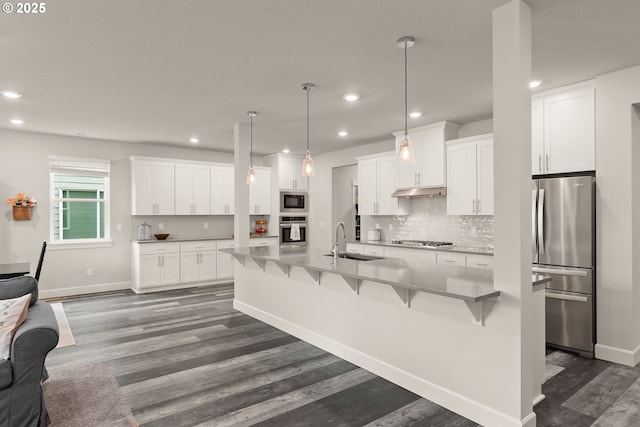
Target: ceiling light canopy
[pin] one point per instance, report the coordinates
(415, 114)
(17, 121)
(10, 94)
(194, 140)
(307, 164)
(405, 150)
(534, 84)
(343, 133)
(351, 97)
(251, 175)
(286, 150)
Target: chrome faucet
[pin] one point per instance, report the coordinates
(335, 251)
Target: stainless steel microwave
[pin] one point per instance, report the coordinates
(294, 201)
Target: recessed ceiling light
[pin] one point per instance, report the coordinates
(17, 121)
(286, 151)
(534, 84)
(343, 133)
(194, 140)
(415, 114)
(11, 95)
(351, 97)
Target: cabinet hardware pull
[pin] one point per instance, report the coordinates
(478, 206)
(540, 163)
(547, 166)
(419, 178)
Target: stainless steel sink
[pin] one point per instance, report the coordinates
(354, 256)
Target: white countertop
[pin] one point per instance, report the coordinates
(197, 239)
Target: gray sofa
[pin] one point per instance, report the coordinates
(21, 400)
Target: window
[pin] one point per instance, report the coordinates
(79, 200)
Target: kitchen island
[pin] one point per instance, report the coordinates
(413, 323)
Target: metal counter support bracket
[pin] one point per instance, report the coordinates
(404, 294)
(477, 311)
(259, 262)
(353, 283)
(315, 275)
(285, 268)
(238, 258)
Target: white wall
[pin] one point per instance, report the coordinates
(618, 216)
(25, 169)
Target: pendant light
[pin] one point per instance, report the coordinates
(405, 150)
(307, 163)
(251, 175)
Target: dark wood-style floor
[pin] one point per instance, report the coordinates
(186, 358)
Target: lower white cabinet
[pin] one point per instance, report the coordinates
(424, 255)
(263, 241)
(451, 258)
(420, 255)
(355, 248)
(225, 260)
(480, 261)
(198, 261)
(158, 265)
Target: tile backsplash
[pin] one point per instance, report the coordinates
(192, 226)
(428, 220)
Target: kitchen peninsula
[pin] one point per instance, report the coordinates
(434, 329)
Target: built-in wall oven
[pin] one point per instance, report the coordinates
(294, 202)
(293, 231)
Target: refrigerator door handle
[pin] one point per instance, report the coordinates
(541, 222)
(533, 221)
(559, 272)
(565, 297)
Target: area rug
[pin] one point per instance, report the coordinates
(66, 336)
(88, 395)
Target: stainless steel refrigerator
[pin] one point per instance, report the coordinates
(563, 236)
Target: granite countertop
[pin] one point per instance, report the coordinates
(468, 284)
(197, 239)
(454, 248)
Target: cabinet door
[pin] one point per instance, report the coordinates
(480, 261)
(170, 269)
(290, 174)
(164, 188)
(189, 267)
(192, 189)
(484, 177)
(222, 191)
(201, 190)
(207, 265)
(150, 270)
(142, 191)
(367, 176)
(224, 261)
(386, 185)
(430, 157)
(461, 179)
(259, 193)
(570, 131)
(537, 137)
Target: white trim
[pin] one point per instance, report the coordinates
(84, 289)
(618, 355)
(539, 398)
(79, 244)
(453, 401)
(179, 286)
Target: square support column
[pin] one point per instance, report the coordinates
(241, 190)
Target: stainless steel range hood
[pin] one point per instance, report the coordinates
(410, 193)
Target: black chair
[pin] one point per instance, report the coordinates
(40, 261)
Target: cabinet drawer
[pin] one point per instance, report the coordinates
(373, 250)
(158, 248)
(355, 248)
(263, 241)
(452, 258)
(422, 255)
(480, 261)
(226, 244)
(206, 245)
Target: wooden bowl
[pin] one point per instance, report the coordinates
(161, 236)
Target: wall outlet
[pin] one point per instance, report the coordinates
(474, 231)
(118, 227)
(206, 225)
(392, 227)
(321, 224)
(89, 272)
(377, 226)
(160, 226)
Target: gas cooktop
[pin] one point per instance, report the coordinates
(422, 243)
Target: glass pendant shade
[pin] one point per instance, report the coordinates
(405, 151)
(251, 176)
(307, 166)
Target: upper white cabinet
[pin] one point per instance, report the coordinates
(152, 187)
(563, 129)
(192, 189)
(288, 169)
(470, 176)
(428, 170)
(222, 190)
(260, 192)
(376, 183)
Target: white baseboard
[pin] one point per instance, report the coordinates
(84, 289)
(618, 355)
(539, 398)
(462, 405)
(180, 286)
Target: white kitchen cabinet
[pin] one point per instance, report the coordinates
(376, 183)
(288, 169)
(263, 241)
(224, 260)
(157, 264)
(480, 261)
(222, 189)
(260, 192)
(428, 170)
(470, 176)
(451, 258)
(355, 248)
(420, 255)
(192, 186)
(198, 261)
(563, 130)
(152, 187)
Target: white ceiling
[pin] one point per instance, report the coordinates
(160, 71)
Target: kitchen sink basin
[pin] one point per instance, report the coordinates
(357, 257)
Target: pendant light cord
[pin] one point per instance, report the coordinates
(406, 108)
(251, 141)
(307, 89)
